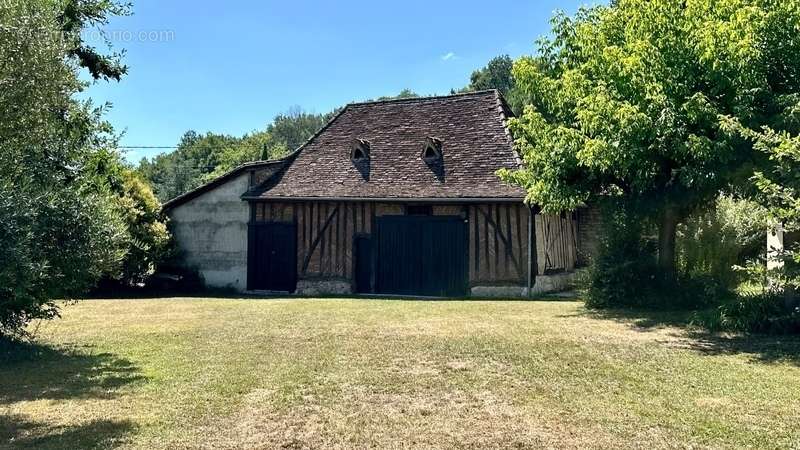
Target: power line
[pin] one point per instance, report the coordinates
(166, 147)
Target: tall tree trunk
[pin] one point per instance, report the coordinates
(666, 240)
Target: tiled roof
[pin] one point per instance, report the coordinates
(474, 142)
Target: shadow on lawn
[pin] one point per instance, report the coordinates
(759, 347)
(18, 432)
(30, 371)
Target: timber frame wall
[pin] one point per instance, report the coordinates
(498, 237)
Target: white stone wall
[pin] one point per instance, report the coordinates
(211, 233)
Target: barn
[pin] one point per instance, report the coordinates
(396, 197)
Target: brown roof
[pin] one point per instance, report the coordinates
(475, 143)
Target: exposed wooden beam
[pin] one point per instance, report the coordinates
(318, 238)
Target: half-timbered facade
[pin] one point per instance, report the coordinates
(390, 197)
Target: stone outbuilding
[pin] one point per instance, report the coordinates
(396, 197)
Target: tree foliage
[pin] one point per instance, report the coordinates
(147, 241)
(201, 158)
(716, 240)
(778, 185)
(292, 129)
(177, 172)
(75, 16)
(60, 228)
(405, 93)
(636, 100)
(495, 75)
(55, 244)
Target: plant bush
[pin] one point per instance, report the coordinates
(60, 230)
(625, 272)
(52, 246)
(767, 312)
(713, 242)
(150, 239)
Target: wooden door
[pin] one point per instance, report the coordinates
(422, 255)
(272, 257)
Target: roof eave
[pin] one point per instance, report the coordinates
(520, 199)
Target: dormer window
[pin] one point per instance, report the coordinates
(432, 150)
(360, 150)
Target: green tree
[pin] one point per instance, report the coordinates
(259, 145)
(60, 230)
(75, 16)
(146, 237)
(188, 166)
(405, 93)
(778, 185)
(635, 100)
(201, 158)
(294, 127)
(497, 74)
(149, 238)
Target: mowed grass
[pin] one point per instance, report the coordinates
(224, 373)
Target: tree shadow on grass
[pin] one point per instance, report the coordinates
(641, 320)
(18, 432)
(30, 371)
(758, 347)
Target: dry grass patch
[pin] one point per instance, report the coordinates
(193, 373)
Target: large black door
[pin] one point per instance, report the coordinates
(272, 263)
(422, 255)
(363, 264)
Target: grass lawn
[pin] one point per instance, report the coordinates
(222, 373)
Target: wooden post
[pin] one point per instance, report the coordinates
(373, 233)
(251, 246)
(533, 264)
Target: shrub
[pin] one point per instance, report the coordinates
(767, 312)
(147, 239)
(150, 239)
(713, 242)
(59, 231)
(625, 272)
(52, 246)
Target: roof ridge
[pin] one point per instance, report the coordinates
(297, 150)
(339, 113)
(505, 115)
(425, 98)
(503, 112)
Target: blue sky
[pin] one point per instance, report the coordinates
(230, 69)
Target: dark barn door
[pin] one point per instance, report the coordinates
(363, 264)
(422, 255)
(272, 263)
